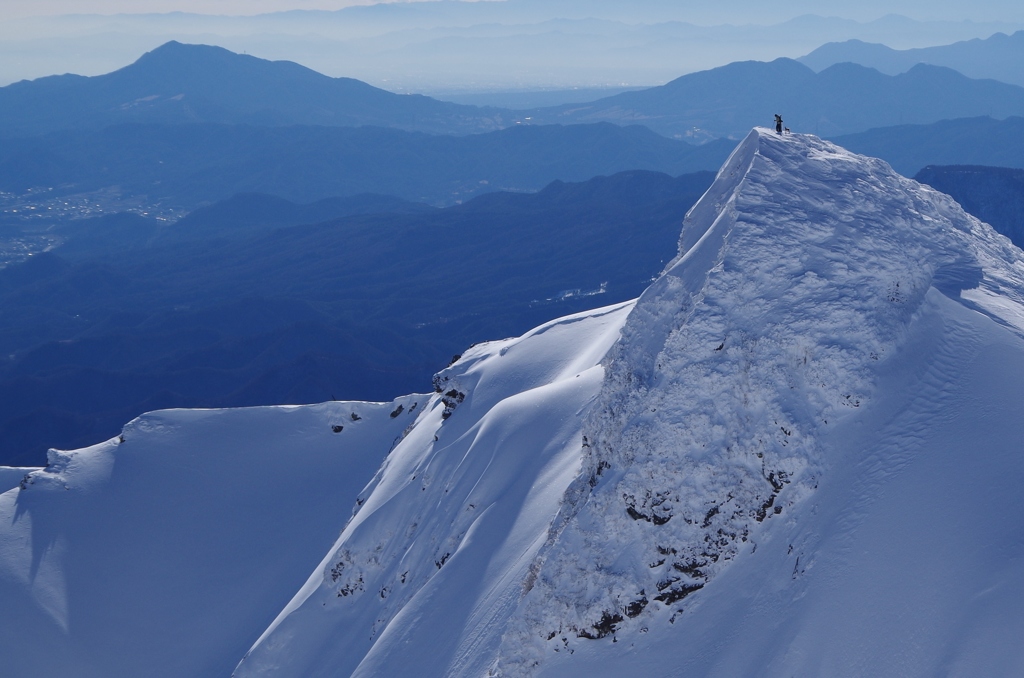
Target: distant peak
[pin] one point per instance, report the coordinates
(176, 49)
(187, 61)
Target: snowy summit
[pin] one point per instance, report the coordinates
(799, 452)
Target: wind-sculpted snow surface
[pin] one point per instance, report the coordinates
(799, 274)
(426, 575)
(798, 453)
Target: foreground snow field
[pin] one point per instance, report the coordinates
(800, 452)
(169, 553)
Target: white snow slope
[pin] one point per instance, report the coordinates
(168, 554)
(800, 452)
(11, 476)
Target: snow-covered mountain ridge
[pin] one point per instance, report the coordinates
(799, 276)
(799, 452)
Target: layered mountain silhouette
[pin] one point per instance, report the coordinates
(246, 214)
(999, 57)
(967, 141)
(192, 165)
(179, 83)
(842, 99)
(129, 315)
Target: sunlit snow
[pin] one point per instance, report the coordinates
(799, 452)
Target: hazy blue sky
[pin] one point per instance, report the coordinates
(736, 11)
(486, 46)
(20, 8)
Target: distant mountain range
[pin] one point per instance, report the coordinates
(245, 215)
(968, 141)
(179, 83)
(130, 316)
(999, 57)
(443, 47)
(842, 99)
(191, 165)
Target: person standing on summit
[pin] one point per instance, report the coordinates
(778, 123)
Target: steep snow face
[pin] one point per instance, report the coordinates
(426, 575)
(801, 274)
(908, 558)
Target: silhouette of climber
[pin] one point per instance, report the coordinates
(778, 123)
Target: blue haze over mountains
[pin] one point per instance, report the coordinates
(198, 83)
(842, 99)
(192, 164)
(364, 306)
(315, 262)
(999, 57)
(459, 47)
(964, 141)
(194, 83)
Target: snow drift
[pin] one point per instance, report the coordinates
(798, 453)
